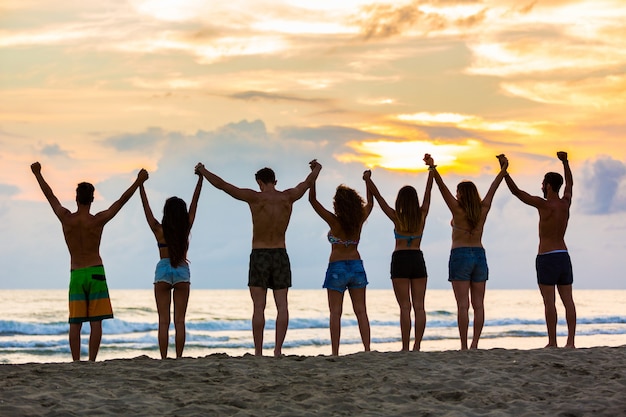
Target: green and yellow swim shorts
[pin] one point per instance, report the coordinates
(89, 295)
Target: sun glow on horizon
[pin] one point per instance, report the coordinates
(406, 155)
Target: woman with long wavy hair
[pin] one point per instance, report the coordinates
(345, 267)
(467, 268)
(408, 269)
(172, 275)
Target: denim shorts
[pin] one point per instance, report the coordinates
(468, 264)
(342, 275)
(165, 272)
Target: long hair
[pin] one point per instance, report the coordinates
(349, 209)
(470, 202)
(408, 210)
(176, 229)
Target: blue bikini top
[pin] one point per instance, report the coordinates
(409, 239)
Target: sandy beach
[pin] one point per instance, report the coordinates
(548, 382)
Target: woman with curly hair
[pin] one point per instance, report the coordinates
(345, 267)
(408, 269)
(467, 268)
(172, 271)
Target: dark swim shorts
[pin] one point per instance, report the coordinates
(269, 268)
(554, 268)
(408, 264)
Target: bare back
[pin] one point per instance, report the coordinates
(463, 235)
(553, 219)
(83, 233)
(271, 211)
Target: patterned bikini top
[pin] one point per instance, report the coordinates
(337, 241)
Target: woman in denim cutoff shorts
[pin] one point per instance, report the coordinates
(408, 269)
(345, 267)
(467, 267)
(172, 271)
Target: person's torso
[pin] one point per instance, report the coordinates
(270, 218)
(83, 234)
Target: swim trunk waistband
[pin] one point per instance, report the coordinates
(553, 251)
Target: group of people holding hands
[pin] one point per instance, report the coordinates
(269, 266)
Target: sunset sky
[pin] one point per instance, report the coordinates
(96, 90)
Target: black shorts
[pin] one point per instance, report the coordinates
(554, 268)
(408, 264)
(269, 268)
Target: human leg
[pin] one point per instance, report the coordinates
(461, 293)
(477, 293)
(401, 288)
(74, 337)
(335, 305)
(282, 319)
(95, 337)
(548, 295)
(181, 299)
(258, 295)
(162, 296)
(565, 292)
(357, 295)
(418, 293)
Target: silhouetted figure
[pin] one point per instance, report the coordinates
(88, 291)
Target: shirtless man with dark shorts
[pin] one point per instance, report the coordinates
(554, 267)
(88, 291)
(269, 263)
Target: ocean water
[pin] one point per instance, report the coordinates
(33, 324)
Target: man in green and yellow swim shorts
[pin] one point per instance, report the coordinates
(88, 292)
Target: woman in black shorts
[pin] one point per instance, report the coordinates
(408, 269)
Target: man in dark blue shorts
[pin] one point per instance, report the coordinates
(554, 267)
(269, 263)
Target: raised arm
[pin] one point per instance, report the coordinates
(109, 213)
(450, 200)
(58, 209)
(504, 164)
(243, 194)
(298, 191)
(369, 205)
(522, 195)
(569, 179)
(152, 221)
(326, 215)
(427, 192)
(371, 188)
(193, 207)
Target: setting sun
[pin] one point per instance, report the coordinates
(405, 155)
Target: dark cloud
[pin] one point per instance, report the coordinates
(54, 150)
(140, 142)
(261, 95)
(604, 186)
